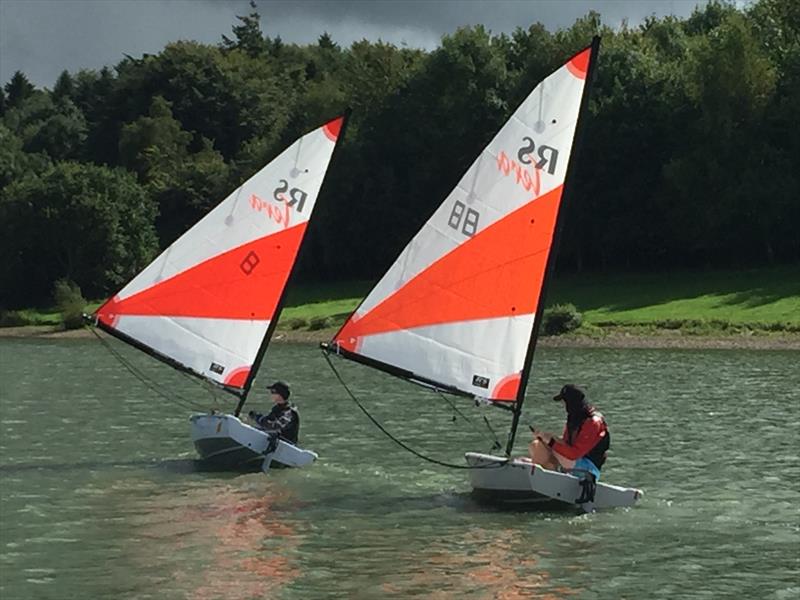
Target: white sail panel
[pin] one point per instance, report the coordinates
(481, 257)
(444, 352)
(250, 212)
(226, 361)
(207, 300)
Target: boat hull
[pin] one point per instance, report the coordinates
(224, 442)
(521, 482)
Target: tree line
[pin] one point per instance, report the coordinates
(690, 155)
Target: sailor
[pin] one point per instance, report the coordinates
(283, 419)
(585, 442)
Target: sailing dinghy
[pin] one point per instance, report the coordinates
(209, 303)
(459, 309)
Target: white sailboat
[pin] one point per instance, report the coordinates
(459, 310)
(209, 303)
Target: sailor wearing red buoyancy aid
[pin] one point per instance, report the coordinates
(585, 441)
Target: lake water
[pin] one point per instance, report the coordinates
(100, 497)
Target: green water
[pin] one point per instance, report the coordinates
(100, 497)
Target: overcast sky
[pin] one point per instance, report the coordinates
(41, 38)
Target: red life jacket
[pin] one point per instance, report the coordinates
(591, 441)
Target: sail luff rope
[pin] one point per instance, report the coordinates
(400, 442)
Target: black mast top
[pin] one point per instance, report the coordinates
(565, 197)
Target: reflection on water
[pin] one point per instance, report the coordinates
(101, 496)
(496, 563)
(249, 546)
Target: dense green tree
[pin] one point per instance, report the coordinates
(151, 142)
(19, 89)
(185, 185)
(613, 217)
(688, 152)
(372, 72)
(57, 128)
(777, 25)
(89, 224)
(94, 95)
(61, 135)
(249, 37)
(706, 18)
(26, 117)
(15, 163)
(64, 87)
(186, 189)
(717, 178)
(227, 97)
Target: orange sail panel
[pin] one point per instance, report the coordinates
(496, 273)
(222, 287)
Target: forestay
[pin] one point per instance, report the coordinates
(457, 308)
(206, 303)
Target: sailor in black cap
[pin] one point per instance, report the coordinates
(283, 419)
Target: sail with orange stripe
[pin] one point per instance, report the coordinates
(458, 308)
(208, 303)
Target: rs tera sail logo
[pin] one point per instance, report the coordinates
(465, 219)
(529, 178)
(288, 199)
(296, 195)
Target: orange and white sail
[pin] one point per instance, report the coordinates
(206, 303)
(457, 308)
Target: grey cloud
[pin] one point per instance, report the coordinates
(44, 37)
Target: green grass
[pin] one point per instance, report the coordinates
(762, 298)
(307, 303)
(49, 316)
(697, 302)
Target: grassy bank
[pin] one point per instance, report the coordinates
(759, 301)
(695, 302)
(698, 301)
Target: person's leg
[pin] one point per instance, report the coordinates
(541, 454)
(562, 461)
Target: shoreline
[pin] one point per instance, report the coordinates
(666, 339)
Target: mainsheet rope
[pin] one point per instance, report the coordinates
(400, 442)
(495, 442)
(144, 379)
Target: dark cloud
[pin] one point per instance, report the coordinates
(44, 37)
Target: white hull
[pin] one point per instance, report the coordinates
(523, 482)
(224, 441)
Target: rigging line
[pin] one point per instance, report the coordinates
(489, 426)
(145, 380)
(202, 384)
(177, 399)
(496, 442)
(399, 442)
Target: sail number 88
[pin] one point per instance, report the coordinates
(463, 218)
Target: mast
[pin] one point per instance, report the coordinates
(566, 196)
(274, 322)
